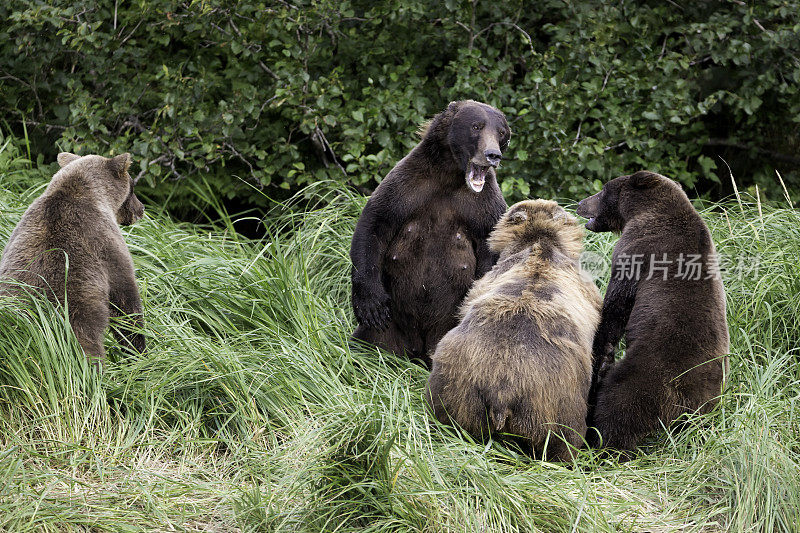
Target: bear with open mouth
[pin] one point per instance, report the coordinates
(420, 241)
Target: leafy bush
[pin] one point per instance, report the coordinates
(277, 95)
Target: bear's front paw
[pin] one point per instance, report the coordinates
(607, 360)
(372, 308)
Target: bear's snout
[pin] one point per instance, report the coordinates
(582, 209)
(493, 157)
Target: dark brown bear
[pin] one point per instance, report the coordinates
(421, 240)
(520, 361)
(75, 223)
(666, 298)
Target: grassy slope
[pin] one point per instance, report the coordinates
(251, 412)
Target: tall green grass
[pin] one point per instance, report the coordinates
(250, 411)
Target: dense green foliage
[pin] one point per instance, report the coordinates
(251, 411)
(281, 94)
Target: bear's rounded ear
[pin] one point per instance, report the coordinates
(121, 163)
(65, 158)
(424, 128)
(518, 217)
(439, 125)
(452, 107)
(644, 179)
(562, 215)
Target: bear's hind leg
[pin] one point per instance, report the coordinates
(126, 305)
(564, 443)
(466, 409)
(391, 339)
(430, 339)
(624, 415)
(89, 323)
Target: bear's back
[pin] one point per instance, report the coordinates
(680, 286)
(521, 356)
(536, 318)
(59, 230)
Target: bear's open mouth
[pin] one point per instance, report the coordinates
(476, 176)
(591, 224)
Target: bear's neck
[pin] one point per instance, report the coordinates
(545, 243)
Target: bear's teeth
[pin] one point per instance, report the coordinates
(476, 177)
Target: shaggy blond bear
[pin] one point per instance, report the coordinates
(520, 361)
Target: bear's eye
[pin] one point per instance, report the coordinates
(477, 127)
(502, 133)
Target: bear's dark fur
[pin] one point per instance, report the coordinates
(671, 312)
(520, 361)
(421, 239)
(75, 222)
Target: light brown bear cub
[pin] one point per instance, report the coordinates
(520, 361)
(68, 242)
